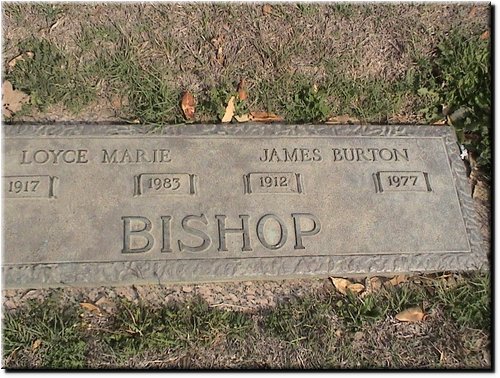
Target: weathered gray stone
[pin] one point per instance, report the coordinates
(97, 205)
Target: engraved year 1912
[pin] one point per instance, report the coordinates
(273, 181)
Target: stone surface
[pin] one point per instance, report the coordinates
(96, 205)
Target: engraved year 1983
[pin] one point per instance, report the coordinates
(169, 183)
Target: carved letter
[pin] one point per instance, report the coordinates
(65, 156)
(23, 159)
(304, 154)
(44, 159)
(194, 231)
(221, 222)
(165, 225)
(388, 157)
(81, 156)
(144, 232)
(55, 155)
(405, 156)
(290, 156)
(299, 232)
(317, 155)
(106, 158)
(345, 154)
(265, 155)
(260, 232)
(337, 155)
(165, 156)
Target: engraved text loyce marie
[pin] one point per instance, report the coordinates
(124, 198)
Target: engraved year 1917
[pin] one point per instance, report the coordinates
(25, 185)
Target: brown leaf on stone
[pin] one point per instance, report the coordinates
(345, 119)
(396, 280)
(230, 108)
(265, 117)
(344, 286)
(12, 99)
(188, 104)
(485, 35)
(90, 307)
(413, 314)
(242, 93)
(267, 9)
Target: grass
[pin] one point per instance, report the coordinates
(151, 59)
(458, 84)
(322, 329)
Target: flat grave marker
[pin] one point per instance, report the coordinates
(120, 204)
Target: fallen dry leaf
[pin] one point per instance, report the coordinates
(440, 122)
(188, 104)
(106, 305)
(265, 117)
(243, 118)
(396, 280)
(90, 307)
(413, 314)
(36, 344)
(267, 9)
(12, 99)
(242, 93)
(356, 288)
(485, 35)
(228, 115)
(344, 286)
(27, 55)
(374, 283)
(342, 120)
(473, 11)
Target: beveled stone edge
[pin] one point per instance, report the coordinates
(113, 273)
